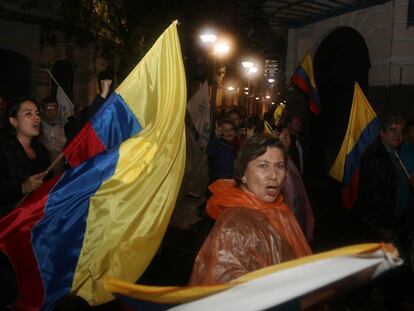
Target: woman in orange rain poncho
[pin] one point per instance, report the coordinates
(254, 228)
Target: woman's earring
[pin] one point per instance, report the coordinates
(244, 179)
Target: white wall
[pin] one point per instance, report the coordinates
(390, 43)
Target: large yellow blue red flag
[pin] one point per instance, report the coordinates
(363, 128)
(271, 286)
(304, 79)
(107, 215)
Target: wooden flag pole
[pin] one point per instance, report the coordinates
(56, 161)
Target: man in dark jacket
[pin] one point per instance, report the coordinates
(379, 173)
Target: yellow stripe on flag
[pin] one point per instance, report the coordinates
(177, 294)
(129, 214)
(360, 117)
(308, 68)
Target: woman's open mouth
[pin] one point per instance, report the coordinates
(271, 190)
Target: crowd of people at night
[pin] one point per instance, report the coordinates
(256, 198)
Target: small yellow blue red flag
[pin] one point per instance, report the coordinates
(304, 79)
(363, 128)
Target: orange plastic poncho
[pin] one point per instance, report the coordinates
(248, 235)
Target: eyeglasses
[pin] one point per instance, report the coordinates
(50, 107)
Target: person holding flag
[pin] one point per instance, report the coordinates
(381, 177)
(108, 213)
(23, 162)
(381, 190)
(23, 159)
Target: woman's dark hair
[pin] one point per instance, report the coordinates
(11, 112)
(251, 149)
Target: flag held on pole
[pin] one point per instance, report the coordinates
(363, 128)
(303, 78)
(66, 107)
(107, 215)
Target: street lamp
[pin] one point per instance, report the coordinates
(208, 38)
(247, 64)
(251, 69)
(219, 48)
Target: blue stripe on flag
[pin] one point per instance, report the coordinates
(57, 239)
(365, 139)
(115, 122)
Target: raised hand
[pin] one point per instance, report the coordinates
(105, 87)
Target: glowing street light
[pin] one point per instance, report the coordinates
(252, 70)
(247, 64)
(221, 48)
(267, 96)
(230, 88)
(208, 38)
(218, 47)
(271, 80)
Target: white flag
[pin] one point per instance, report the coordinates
(65, 105)
(199, 109)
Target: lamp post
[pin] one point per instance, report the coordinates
(219, 48)
(231, 98)
(251, 70)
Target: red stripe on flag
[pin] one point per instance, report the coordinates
(350, 191)
(16, 229)
(84, 146)
(304, 86)
(313, 106)
(301, 84)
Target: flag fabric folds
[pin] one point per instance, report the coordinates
(113, 123)
(274, 285)
(363, 128)
(304, 79)
(107, 215)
